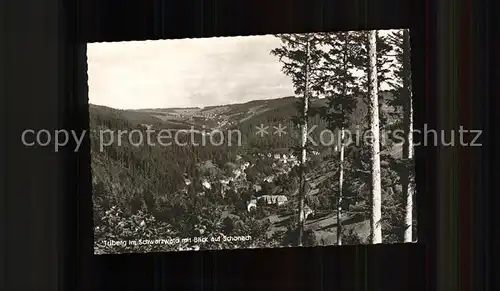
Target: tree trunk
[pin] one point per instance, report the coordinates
(341, 145)
(303, 147)
(376, 199)
(341, 184)
(408, 145)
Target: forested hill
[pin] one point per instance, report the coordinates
(170, 182)
(223, 116)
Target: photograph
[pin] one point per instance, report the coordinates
(245, 142)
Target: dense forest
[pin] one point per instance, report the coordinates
(276, 190)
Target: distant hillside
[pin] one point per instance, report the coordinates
(246, 114)
(133, 117)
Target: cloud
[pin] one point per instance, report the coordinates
(185, 73)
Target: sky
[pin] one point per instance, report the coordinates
(185, 72)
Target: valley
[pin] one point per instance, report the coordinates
(233, 176)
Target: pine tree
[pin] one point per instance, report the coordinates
(301, 59)
(402, 84)
(384, 74)
(342, 56)
(376, 189)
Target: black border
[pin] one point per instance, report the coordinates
(344, 268)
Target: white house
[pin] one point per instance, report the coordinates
(206, 184)
(307, 211)
(273, 199)
(252, 204)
